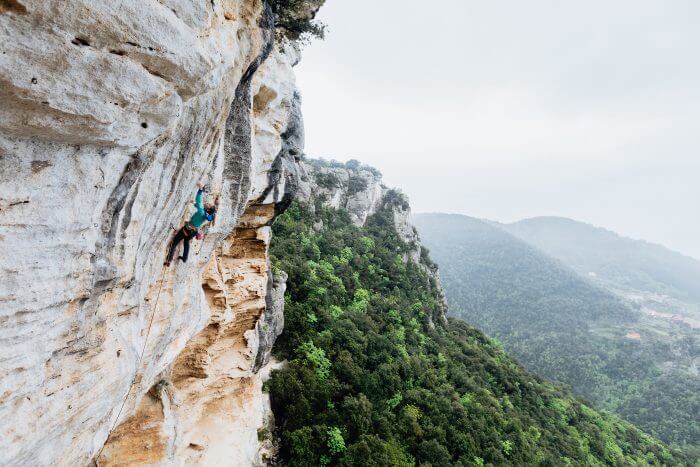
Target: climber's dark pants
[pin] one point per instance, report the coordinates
(182, 235)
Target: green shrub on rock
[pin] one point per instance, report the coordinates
(295, 18)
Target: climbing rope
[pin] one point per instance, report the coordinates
(138, 366)
(143, 350)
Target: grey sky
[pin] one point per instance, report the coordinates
(513, 109)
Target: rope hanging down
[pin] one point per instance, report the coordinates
(138, 366)
(143, 350)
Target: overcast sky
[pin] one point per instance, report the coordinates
(513, 109)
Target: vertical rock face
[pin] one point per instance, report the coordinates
(110, 114)
(208, 407)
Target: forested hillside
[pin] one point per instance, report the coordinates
(377, 376)
(565, 328)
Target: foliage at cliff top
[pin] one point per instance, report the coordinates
(295, 19)
(352, 165)
(376, 376)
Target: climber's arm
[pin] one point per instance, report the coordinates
(198, 203)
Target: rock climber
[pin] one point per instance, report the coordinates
(204, 213)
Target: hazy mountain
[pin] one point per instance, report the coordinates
(568, 327)
(620, 261)
(499, 271)
(665, 285)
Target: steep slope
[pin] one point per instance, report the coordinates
(565, 328)
(111, 114)
(377, 376)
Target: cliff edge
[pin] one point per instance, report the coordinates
(111, 114)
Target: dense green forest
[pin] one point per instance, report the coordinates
(567, 329)
(377, 376)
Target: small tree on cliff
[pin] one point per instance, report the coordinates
(295, 19)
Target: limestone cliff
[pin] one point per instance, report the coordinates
(110, 114)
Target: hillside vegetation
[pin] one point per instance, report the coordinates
(566, 328)
(377, 376)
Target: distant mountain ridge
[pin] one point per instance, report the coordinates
(610, 336)
(487, 243)
(621, 261)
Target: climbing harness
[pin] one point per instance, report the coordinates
(138, 366)
(201, 240)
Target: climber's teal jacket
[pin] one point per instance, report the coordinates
(199, 217)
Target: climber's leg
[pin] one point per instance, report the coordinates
(185, 249)
(179, 236)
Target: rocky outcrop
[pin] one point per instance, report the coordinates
(358, 189)
(110, 114)
(354, 187)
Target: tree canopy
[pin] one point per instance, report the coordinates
(376, 376)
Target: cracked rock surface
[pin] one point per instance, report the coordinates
(111, 113)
